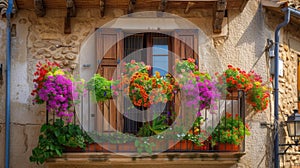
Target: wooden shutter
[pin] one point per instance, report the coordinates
(185, 46)
(186, 43)
(109, 53)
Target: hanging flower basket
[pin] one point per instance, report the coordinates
(145, 90)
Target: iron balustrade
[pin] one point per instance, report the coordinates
(87, 116)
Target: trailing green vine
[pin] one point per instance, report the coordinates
(55, 137)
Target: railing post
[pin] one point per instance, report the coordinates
(47, 114)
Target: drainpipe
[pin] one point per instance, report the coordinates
(287, 15)
(7, 102)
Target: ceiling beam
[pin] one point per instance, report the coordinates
(131, 6)
(71, 12)
(39, 8)
(102, 8)
(162, 5)
(188, 6)
(219, 15)
(71, 8)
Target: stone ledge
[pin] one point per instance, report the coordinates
(164, 159)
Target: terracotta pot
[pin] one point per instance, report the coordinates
(227, 147)
(108, 147)
(94, 147)
(73, 149)
(126, 147)
(204, 147)
(182, 145)
(159, 146)
(232, 94)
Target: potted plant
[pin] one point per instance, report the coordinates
(200, 138)
(58, 137)
(200, 92)
(229, 134)
(258, 96)
(58, 88)
(232, 80)
(142, 88)
(100, 88)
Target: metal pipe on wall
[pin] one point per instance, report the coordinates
(8, 74)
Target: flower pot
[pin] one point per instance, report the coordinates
(94, 147)
(227, 147)
(108, 147)
(204, 147)
(160, 146)
(126, 147)
(72, 149)
(182, 145)
(233, 94)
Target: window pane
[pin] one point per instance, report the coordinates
(160, 64)
(160, 49)
(160, 46)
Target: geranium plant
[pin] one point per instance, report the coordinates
(235, 79)
(257, 91)
(57, 87)
(258, 96)
(185, 65)
(231, 130)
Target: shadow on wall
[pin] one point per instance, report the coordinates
(256, 33)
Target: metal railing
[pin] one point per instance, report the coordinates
(91, 119)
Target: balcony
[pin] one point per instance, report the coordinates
(116, 149)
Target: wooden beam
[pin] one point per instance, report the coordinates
(102, 8)
(162, 5)
(219, 15)
(71, 12)
(188, 6)
(131, 6)
(39, 8)
(71, 8)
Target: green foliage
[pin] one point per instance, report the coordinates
(185, 66)
(54, 138)
(157, 126)
(144, 145)
(230, 130)
(113, 138)
(100, 88)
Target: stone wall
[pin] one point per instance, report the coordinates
(289, 52)
(242, 44)
(288, 100)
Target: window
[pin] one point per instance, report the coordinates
(160, 53)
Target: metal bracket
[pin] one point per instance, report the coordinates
(268, 125)
(289, 146)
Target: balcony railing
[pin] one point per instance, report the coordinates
(95, 122)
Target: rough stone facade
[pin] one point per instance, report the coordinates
(242, 43)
